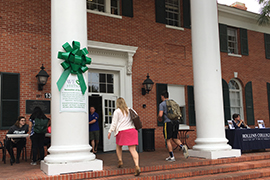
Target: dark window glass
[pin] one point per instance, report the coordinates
(9, 113)
(10, 84)
(110, 88)
(102, 88)
(102, 77)
(109, 78)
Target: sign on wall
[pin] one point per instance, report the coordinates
(71, 97)
(44, 105)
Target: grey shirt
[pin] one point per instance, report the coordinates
(163, 107)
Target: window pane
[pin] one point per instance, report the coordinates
(109, 78)
(10, 82)
(110, 88)
(102, 78)
(9, 113)
(102, 88)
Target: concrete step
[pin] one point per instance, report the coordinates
(234, 170)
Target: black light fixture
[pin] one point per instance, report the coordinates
(42, 78)
(147, 85)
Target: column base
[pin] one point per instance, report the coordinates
(57, 169)
(215, 154)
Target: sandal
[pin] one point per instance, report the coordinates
(137, 171)
(120, 164)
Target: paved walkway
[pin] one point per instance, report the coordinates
(147, 160)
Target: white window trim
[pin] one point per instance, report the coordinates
(234, 55)
(175, 27)
(104, 14)
(241, 97)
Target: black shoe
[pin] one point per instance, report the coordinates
(12, 161)
(17, 161)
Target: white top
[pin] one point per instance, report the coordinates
(120, 122)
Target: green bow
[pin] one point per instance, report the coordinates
(75, 63)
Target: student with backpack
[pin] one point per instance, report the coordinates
(38, 125)
(170, 127)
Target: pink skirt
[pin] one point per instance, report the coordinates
(127, 137)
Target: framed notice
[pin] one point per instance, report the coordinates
(71, 97)
(230, 124)
(261, 123)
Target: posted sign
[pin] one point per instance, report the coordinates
(72, 99)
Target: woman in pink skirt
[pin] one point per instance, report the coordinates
(125, 132)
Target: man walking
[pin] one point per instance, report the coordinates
(170, 129)
(93, 129)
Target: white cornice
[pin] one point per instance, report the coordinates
(239, 18)
(112, 47)
(237, 12)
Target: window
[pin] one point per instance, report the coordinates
(172, 8)
(101, 82)
(106, 6)
(236, 101)
(173, 12)
(232, 38)
(10, 99)
(267, 45)
(232, 41)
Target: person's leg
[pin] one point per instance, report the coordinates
(41, 138)
(168, 135)
(34, 148)
(96, 140)
(177, 141)
(96, 145)
(119, 155)
(20, 144)
(9, 145)
(135, 156)
(93, 146)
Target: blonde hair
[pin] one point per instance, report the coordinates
(121, 104)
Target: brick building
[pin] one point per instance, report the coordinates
(126, 41)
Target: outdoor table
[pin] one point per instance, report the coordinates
(182, 136)
(14, 136)
(249, 139)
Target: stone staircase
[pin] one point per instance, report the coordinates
(247, 167)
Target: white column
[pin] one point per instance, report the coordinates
(70, 150)
(211, 142)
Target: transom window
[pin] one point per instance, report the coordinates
(232, 40)
(172, 8)
(107, 6)
(236, 101)
(100, 82)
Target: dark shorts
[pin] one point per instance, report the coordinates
(93, 135)
(170, 130)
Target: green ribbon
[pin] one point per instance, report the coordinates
(75, 63)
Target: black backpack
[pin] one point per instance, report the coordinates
(41, 125)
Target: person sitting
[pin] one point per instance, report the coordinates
(20, 127)
(237, 122)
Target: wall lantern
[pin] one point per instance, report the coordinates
(42, 78)
(147, 85)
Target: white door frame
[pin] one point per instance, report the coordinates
(117, 58)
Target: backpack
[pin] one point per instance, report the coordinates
(173, 110)
(41, 125)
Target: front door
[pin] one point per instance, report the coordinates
(108, 106)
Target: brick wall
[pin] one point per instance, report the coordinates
(166, 54)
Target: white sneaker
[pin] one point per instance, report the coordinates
(185, 151)
(33, 163)
(171, 159)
